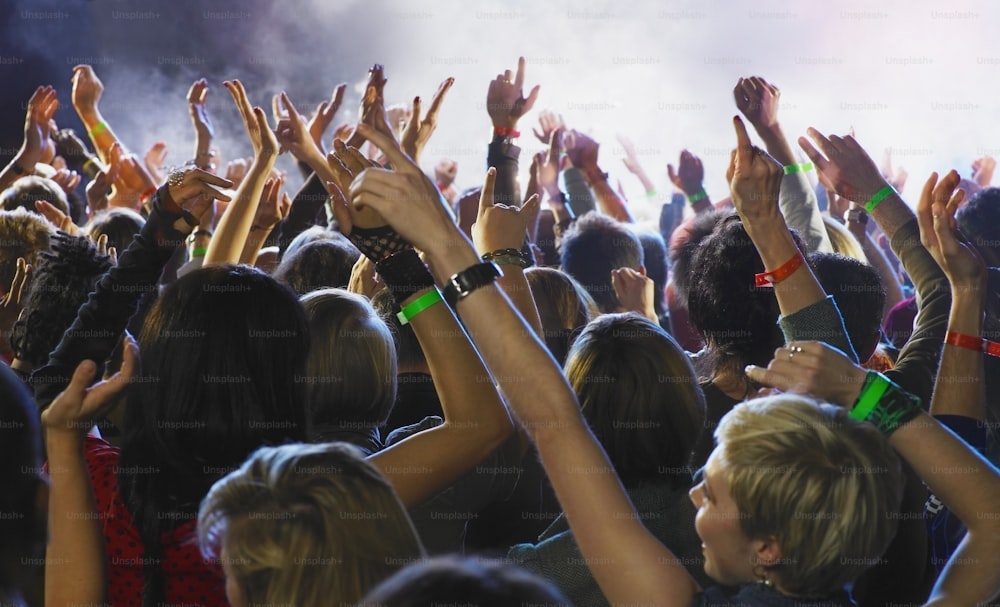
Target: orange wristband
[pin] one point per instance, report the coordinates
(769, 279)
(969, 342)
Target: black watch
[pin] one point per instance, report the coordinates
(468, 280)
(858, 215)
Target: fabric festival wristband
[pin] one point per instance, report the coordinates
(878, 197)
(697, 196)
(418, 305)
(972, 343)
(798, 168)
(769, 279)
(99, 128)
(875, 386)
(199, 252)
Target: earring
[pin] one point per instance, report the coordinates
(760, 573)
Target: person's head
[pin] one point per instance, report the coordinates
(23, 498)
(60, 283)
(350, 375)
(594, 246)
(305, 525)
(979, 221)
(222, 349)
(22, 234)
(842, 240)
(322, 263)
(409, 354)
(311, 234)
(684, 244)
(119, 224)
(26, 191)
(640, 396)
(457, 580)
(857, 288)
(654, 255)
(798, 493)
(736, 320)
(564, 308)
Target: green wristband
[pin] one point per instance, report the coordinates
(199, 252)
(875, 386)
(798, 168)
(878, 197)
(699, 195)
(418, 305)
(99, 128)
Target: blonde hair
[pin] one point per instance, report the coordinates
(824, 485)
(350, 373)
(842, 240)
(307, 524)
(22, 234)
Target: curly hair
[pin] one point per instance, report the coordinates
(63, 277)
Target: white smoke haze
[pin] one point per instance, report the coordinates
(915, 75)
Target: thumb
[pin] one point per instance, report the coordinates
(81, 380)
(757, 374)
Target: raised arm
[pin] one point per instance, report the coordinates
(689, 177)
(74, 557)
(630, 565)
(37, 145)
(476, 421)
(505, 104)
(582, 151)
(418, 130)
(86, 96)
(758, 100)
(234, 227)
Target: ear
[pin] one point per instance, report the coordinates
(642, 270)
(767, 552)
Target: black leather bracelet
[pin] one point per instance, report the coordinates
(463, 283)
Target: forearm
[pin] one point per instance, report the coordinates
(254, 243)
(99, 131)
(890, 214)
(959, 389)
(503, 156)
(74, 557)
(231, 233)
(776, 247)
(799, 206)
(608, 201)
(579, 197)
(306, 205)
(21, 166)
(878, 260)
(515, 287)
(647, 184)
(776, 143)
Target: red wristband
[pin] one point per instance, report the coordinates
(769, 279)
(964, 341)
(145, 195)
(499, 131)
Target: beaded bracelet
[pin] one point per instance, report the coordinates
(418, 305)
(884, 404)
(507, 257)
(798, 168)
(878, 197)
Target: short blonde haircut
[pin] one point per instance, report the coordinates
(22, 234)
(307, 525)
(842, 240)
(824, 485)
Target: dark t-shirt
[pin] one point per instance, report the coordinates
(762, 595)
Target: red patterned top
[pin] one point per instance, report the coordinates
(190, 579)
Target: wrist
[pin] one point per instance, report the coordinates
(89, 115)
(24, 162)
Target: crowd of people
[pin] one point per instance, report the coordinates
(378, 390)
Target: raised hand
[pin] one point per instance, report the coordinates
(273, 207)
(982, 170)
(550, 123)
(70, 147)
(204, 131)
(631, 159)
(754, 179)
(844, 166)
(324, 115)
(418, 132)
(581, 150)
(236, 170)
(56, 217)
(406, 195)
(364, 279)
(897, 179)
(635, 291)
(133, 181)
(155, 158)
(373, 111)
(505, 100)
(689, 176)
(38, 145)
(812, 367)
(939, 233)
(99, 187)
(547, 166)
(262, 138)
(81, 404)
(293, 132)
(67, 180)
(500, 226)
(87, 89)
(194, 189)
(757, 99)
(10, 302)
